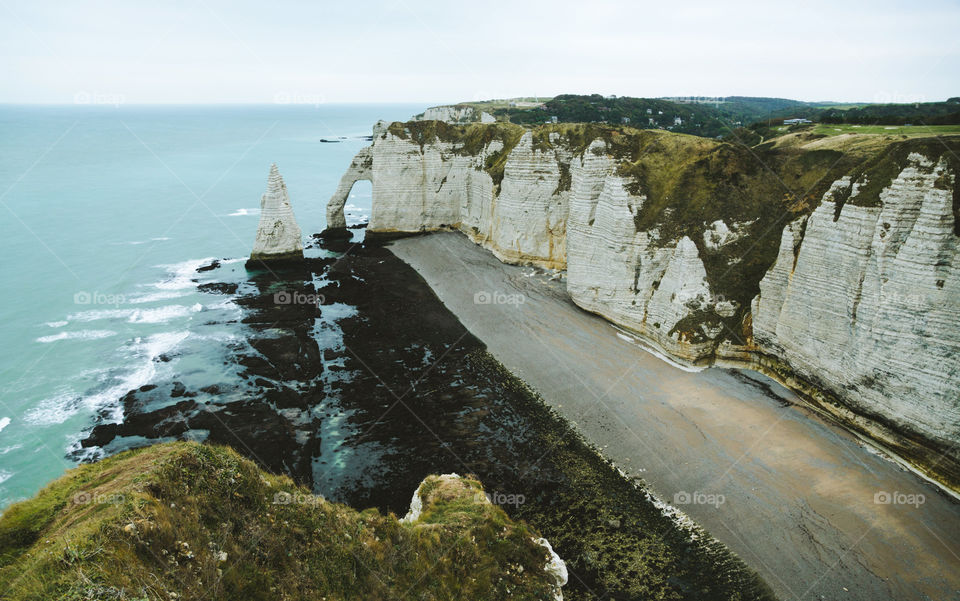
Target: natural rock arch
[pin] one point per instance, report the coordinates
(361, 168)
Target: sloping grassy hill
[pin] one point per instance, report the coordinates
(186, 521)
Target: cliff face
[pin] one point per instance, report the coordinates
(830, 265)
(864, 302)
(455, 114)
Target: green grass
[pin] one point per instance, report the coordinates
(188, 521)
(835, 129)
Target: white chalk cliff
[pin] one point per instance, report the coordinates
(278, 234)
(867, 306)
(861, 313)
(455, 114)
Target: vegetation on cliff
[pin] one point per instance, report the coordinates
(189, 521)
(469, 140)
(755, 181)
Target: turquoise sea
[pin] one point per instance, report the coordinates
(105, 214)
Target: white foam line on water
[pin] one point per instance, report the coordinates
(53, 410)
(153, 315)
(4, 422)
(56, 324)
(626, 336)
(60, 408)
(4, 476)
(244, 212)
(98, 314)
(81, 335)
(162, 314)
(157, 296)
(182, 274)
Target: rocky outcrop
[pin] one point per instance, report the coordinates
(278, 234)
(359, 169)
(678, 239)
(150, 515)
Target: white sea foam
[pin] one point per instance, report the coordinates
(181, 274)
(80, 335)
(12, 447)
(157, 296)
(59, 408)
(98, 314)
(5, 475)
(4, 422)
(160, 314)
(56, 324)
(244, 212)
(152, 315)
(53, 410)
(146, 351)
(160, 239)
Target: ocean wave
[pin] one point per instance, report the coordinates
(53, 410)
(80, 335)
(59, 408)
(244, 212)
(13, 447)
(161, 314)
(152, 315)
(157, 296)
(56, 324)
(4, 476)
(98, 314)
(4, 422)
(181, 274)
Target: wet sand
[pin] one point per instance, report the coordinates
(793, 495)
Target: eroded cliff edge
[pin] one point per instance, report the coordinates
(827, 263)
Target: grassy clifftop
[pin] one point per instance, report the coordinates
(187, 521)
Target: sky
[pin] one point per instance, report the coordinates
(284, 51)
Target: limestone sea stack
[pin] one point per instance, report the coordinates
(278, 235)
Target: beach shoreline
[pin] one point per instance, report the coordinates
(803, 498)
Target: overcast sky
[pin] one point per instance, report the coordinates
(214, 51)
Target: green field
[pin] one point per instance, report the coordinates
(833, 129)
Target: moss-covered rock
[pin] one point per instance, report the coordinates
(189, 521)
